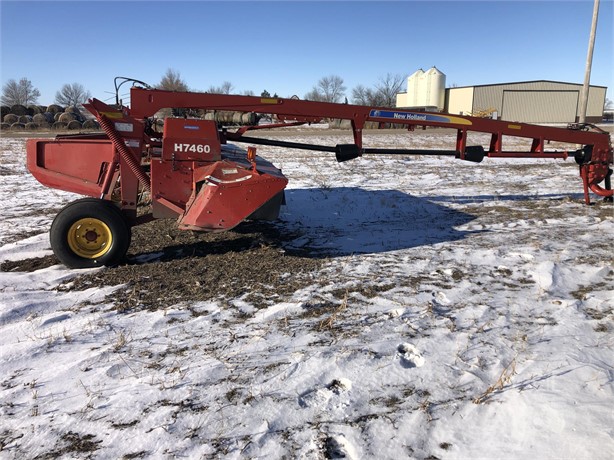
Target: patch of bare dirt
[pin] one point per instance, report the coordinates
(166, 266)
(28, 265)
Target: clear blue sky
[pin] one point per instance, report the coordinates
(287, 46)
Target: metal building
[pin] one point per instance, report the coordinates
(539, 101)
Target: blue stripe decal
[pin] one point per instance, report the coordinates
(408, 116)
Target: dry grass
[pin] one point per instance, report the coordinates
(504, 379)
(329, 322)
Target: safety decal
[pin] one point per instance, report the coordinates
(112, 114)
(124, 127)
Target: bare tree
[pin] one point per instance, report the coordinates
(383, 95)
(328, 89)
(225, 88)
(388, 86)
(72, 94)
(22, 92)
(172, 81)
(366, 96)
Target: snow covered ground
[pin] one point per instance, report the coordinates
(462, 311)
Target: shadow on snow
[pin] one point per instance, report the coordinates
(351, 220)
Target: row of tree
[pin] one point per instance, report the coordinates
(24, 93)
(328, 89)
(172, 81)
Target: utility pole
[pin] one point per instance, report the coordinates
(589, 63)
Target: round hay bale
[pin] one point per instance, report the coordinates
(25, 119)
(31, 126)
(72, 109)
(74, 125)
(34, 109)
(42, 108)
(4, 110)
(44, 125)
(49, 116)
(39, 118)
(18, 127)
(10, 118)
(91, 124)
(19, 110)
(54, 108)
(57, 115)
(249, 118)
(4, 126)
(59, 125)
(236, 118)
(225, 116)
(340, 124)
(66, 117)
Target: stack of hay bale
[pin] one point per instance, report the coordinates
(20, 118)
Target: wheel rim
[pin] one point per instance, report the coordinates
(90, 238)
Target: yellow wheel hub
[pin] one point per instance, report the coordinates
(90, 238)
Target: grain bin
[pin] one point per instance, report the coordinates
(414, 85)
(426, 89)
(435, 88)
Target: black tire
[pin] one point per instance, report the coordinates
(90, 233)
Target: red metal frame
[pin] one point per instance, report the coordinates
(208, 189)
(594, 158)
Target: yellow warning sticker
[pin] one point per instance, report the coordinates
(112, 114)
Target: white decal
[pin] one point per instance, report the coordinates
(124, 127)
(192, 148)
(211, 179)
